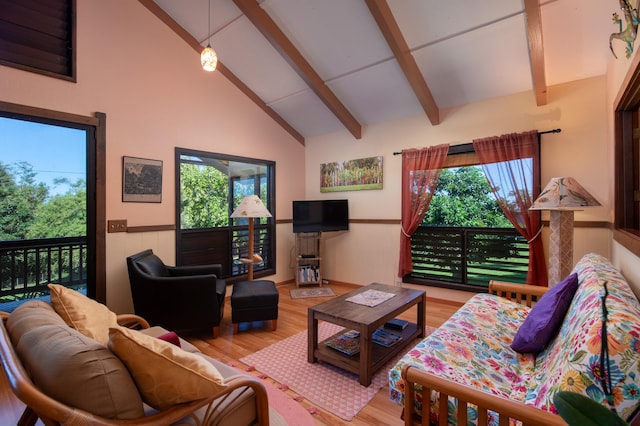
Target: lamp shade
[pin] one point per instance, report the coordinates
(251, 206)
(564, 193)
(209, 59)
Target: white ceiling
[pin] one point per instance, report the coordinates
(466, 51)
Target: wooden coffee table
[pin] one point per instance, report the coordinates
(365, 320)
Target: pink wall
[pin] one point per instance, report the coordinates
(157, 97)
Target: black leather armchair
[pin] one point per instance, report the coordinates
(176, 297)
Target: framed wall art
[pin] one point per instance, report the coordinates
(141, 180)
(351, 175)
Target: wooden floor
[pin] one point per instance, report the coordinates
(292, 319)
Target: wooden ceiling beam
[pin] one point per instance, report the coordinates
(153, 7)
(270, 30)
(391, 31)
(536, 50)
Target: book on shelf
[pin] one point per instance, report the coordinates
(308, 273)
(396, 324)
(385, 338)
(348, 342)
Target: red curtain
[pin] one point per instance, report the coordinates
(420, 172)
(511, 164)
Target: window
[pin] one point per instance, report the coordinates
(465, 240)
(39, 36)
(627, 165)
(209, 188)
(45, 179)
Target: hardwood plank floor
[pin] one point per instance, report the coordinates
(292, 319)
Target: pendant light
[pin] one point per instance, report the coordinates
(208, 57)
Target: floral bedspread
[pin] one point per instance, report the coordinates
(572, 360)
(472, 348)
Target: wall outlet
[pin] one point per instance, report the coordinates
(325, 281)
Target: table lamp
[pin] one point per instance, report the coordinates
(562, 196)
(251, 207)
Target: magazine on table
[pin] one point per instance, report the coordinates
(348, 342)
(385, 338)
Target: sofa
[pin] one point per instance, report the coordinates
(504, 355)
(73, 361)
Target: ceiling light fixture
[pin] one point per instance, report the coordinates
(208, 57)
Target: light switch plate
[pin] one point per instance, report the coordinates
(119, 225)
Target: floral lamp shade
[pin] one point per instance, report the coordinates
(561, 197)
(564, 193)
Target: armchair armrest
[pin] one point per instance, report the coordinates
(525, 294)
(466, 395)
(217, 404)
(181, 271)
(262, 401)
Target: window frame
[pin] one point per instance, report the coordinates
(223, 237)
(626, 161)
(40, 37)
(96, 178)
(463, 155)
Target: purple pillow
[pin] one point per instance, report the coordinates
(545, 317)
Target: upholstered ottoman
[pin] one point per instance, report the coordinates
(254, 301)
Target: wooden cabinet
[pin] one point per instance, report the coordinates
(308, 259)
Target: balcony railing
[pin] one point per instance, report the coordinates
(468, 258)
(27, 266)
(240, 248)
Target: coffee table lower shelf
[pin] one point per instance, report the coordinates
(379, 356)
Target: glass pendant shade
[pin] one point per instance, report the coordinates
(209, 59)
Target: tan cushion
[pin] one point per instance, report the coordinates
(79, 372)
(164, 373)
(29, 315)
(89, 317)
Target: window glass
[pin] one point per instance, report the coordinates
(465, 240)
(43, 208)
(211, 186)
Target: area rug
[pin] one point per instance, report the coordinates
(290, 412)
(303, 293)
(325, 386)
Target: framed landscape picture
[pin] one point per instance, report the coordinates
(141, 180)
(351, 175)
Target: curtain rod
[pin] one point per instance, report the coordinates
(454, 149)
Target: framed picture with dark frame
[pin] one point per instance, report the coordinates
(141, 180)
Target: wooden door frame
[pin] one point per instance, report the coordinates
(96, 229)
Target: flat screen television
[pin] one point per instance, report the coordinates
(320, 216)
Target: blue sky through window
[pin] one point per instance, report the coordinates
(53, 151)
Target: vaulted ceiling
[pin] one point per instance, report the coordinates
(319, 66)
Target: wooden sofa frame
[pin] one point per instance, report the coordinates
(53, 413)
(485, 402)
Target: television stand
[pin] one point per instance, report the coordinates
(308, 258)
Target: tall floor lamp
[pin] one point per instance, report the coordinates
(562, 196)
(251, 207)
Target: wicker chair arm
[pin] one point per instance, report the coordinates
(132, 321)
